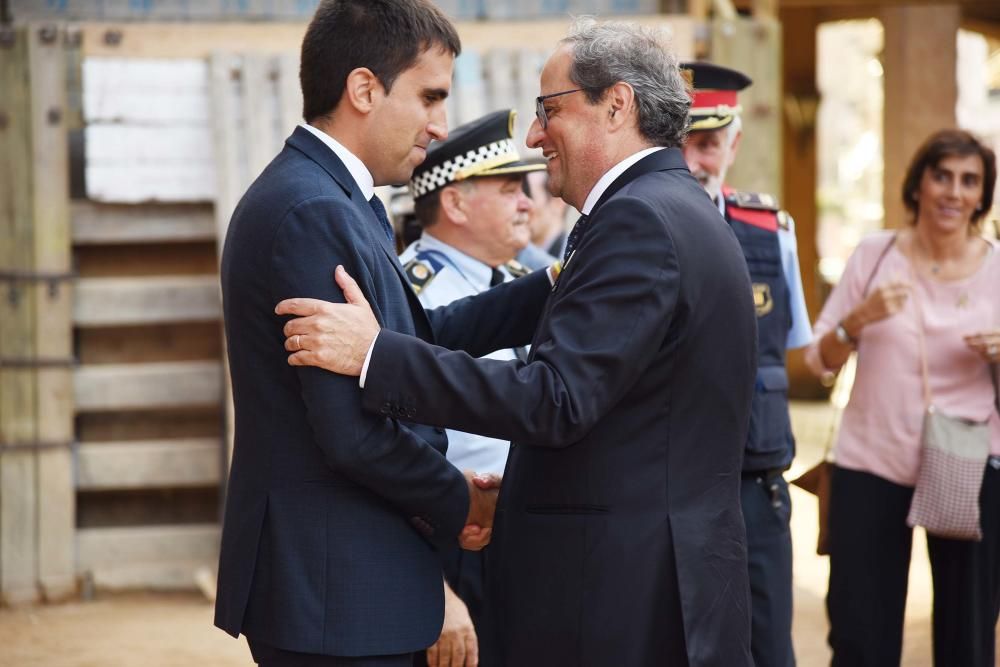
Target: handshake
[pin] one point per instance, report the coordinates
(483, 491)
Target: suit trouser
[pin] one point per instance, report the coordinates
(767, 511)
(869, 568)
(266, 655)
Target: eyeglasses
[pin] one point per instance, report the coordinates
(543, 119)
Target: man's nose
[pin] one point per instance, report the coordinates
(535, 135)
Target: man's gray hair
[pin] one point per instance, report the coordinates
(605, 53)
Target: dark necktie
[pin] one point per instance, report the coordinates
(575, 236)
(496, 277)
(379, 209)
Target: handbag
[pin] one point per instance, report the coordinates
(816, 480)
(953, 455)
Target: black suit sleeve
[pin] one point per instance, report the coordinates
(610, 313)
(372, 450)
(502, 317)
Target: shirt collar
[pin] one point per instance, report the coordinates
(610, 175)
(359, 172)
(477, 273)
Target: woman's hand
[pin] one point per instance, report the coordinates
(884, 301)
(986, 344)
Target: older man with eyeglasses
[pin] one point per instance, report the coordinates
(618, 538)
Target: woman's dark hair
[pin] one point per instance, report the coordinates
(386, 36)
(943, 144)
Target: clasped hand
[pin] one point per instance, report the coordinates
(483, 492)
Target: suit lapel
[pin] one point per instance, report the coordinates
(320, 153)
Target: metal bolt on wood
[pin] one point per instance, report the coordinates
(54, 116)
(113, 37)
(48, 34)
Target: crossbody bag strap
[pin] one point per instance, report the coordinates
(921, 337)
(878, 263)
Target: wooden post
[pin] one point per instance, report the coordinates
(753, 46)
(37, 495)
(921, 88)
(53, 310)
(18, 490)
(800, 102)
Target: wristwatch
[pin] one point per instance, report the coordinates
(841, 333)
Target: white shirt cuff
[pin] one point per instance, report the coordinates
(368, 359)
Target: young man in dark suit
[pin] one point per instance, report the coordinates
(618, 535)
(333, 513)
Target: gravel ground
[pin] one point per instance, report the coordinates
(175, 630)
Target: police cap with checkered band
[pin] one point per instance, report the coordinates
(483, 147)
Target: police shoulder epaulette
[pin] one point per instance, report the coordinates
(755, 201)
(753, 208)
(419, 273)
(516, 269)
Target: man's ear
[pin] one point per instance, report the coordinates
(734, 147)
(620, 99)
(453, 205)
(362, 89)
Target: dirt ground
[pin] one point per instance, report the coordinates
(175, 630)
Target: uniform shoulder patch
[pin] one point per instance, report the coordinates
(516, 269)
(755, 201)
(419, 273)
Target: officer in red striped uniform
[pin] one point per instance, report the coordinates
(767, 236)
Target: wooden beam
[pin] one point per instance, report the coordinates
(148, 464)
(800, 104)
(102, 224)
(163, 557)
(53, 306)
(200, 40)
(178, 384)
(18, 489)
(753, 46)
(921, 89)
(146, 300)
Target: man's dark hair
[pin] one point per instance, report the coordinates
(943, 144)
(386, 36)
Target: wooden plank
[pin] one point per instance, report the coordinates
(166, 576)
(140, 183)
(200, 40)
(53, 322)
(148, 386)
(131, 546)
(149, 343)
(920, 54)
(260, 117)
(181, 424)
(151, 300)
(18, 490)
(224, 71)
(754, 47)
(150, 91)
(148, 464)
(289, 93)
(146, 259)
(95, 223)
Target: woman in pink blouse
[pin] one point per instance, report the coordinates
(941, 275)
